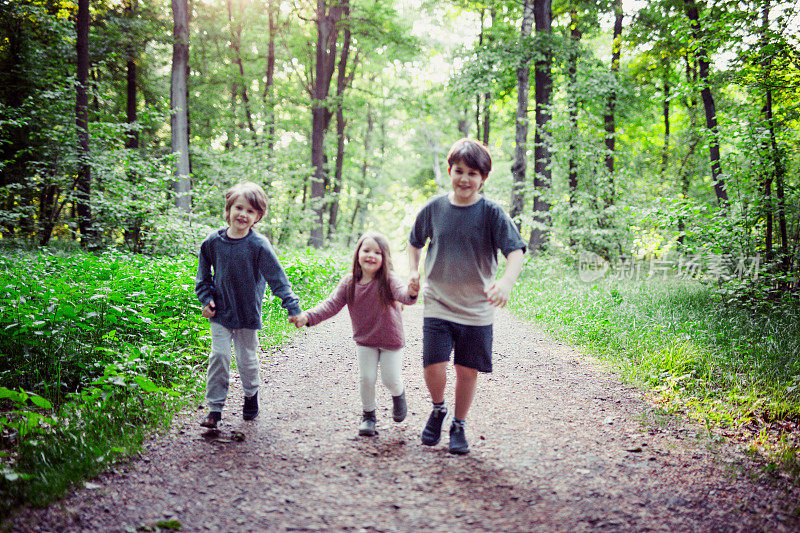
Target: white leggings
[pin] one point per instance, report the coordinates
(391, 363)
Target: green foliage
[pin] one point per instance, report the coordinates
(725, 363)
(69, 316)
(313, 274)
(98, 350)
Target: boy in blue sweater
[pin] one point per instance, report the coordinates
(235, 266)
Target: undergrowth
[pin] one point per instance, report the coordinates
(733, 366)
(99, 350)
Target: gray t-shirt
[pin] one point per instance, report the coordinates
(461, 261)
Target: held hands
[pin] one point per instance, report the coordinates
(413, 286)
(498, 293)
(210, 309)
(299, 320)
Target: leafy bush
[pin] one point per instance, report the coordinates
(66, 316)
(98, 350)
(726, 362)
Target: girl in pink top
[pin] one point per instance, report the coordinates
(373, 294)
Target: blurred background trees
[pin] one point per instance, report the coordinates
(622, 128)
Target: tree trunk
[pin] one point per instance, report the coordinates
(434, 147)
(269, 86)
(325, 57)
(572, 94)
(543, 79)
(132, 138)
(708, 103)
(83, 205)
(520, 164)
(478, 116)
(778, 171)
(179, 104)
(768, 174)
(483, 114)
(364, 169)
(665, 109)
(48, 212)
(343, 79)
(236, 48)
(779, 174)
(463, 123)
(230, 142)
(610, 119)
(487, 117)
(767, 191)
(133, 222)
(684, 171)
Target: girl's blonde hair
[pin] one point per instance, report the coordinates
(382, 275)
(252, 192)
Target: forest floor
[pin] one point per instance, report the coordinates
(558, 444)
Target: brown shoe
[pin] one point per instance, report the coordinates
(211, 420)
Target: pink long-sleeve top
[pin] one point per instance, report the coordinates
(374, 325)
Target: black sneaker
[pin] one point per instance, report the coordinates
(433, 429)
(367, 427)
(458, 440)
(250, 409)
(211, 420)
(399, 408)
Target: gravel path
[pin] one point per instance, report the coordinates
(558, 444)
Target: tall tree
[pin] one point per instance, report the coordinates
(132, 138)
(777, 171)
(343, 80)
(519, 166)
(235, 27)
(179, 104)
(573, 52)
(666, 68)
(327, 20)
(364, 189)
(609, 120)
(543, 80)
(84, 181)
(269, 85)
(133, 227)
(701, 54)
(483, 110)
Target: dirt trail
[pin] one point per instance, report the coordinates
(557, 445)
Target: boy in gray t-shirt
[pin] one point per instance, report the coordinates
(465, 231)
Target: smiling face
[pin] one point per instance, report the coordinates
(467, 183)
(242, 217)
(370, 259)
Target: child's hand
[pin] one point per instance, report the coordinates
(498, 293)
(413, 287)
(210, 309)
(299, 320)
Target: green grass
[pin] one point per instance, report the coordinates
(727, 364)
(98, 351)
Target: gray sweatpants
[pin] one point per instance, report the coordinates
(245, 343)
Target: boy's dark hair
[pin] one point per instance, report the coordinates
(252, 192)
(472, 153)
(385, 288)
